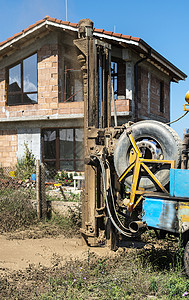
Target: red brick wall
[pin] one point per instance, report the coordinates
(167, 100)
(8, 148)
(143, 93)
(47, 90)
(122, 105)
(154, 109)
(155, 98)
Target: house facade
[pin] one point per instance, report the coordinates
(41, 90)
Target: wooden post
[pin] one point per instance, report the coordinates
(43, 195)
(38, 189)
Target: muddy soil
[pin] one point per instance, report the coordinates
(22, 249)
(31, 259)
(17, 254)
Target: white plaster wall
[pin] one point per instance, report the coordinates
(32, 137)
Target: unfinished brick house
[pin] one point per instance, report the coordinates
(41, 90)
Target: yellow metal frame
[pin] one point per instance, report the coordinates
(185, 107)
(136, 166)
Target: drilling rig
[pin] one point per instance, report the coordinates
(135, 174)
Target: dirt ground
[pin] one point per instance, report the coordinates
(17, 254)
(34, 265)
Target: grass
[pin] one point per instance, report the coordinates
(125, 276)
(68, 224)
(154, 271)
(67, 197)
(17, 215)
(16, 210)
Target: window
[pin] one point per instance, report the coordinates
(118, 76)
(73, 87)
(161, 96)
(63, 148)
(22, 82)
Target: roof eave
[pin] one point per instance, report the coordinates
(139, 43)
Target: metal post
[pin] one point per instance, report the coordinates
(95, 65)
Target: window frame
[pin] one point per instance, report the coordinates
(70, 68)
(119, 90)
(57, 160)
(22, 93)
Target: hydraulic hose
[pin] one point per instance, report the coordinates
(122, 229)
(178, 118)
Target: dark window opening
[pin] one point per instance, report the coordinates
(63, 148)
(162, 96)
(22, 82)
(118, 75)
(73, 86)
(114, 77)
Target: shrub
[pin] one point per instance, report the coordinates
(26, 165)
(64, 178)
(16, 210)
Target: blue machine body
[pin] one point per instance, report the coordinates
(179, 183)
(169, 212)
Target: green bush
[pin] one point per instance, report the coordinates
(64, 178)
(26, 165)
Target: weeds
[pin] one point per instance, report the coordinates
(16, 210)
(70, 224)
(18, 213)
(155, 271)
(26, 165)
(121, 277)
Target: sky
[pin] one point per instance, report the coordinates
(163, 24)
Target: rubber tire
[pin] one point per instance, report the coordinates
(186, 258)
(165, 136)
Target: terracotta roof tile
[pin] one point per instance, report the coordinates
(10, 38)
(135, 39)
(39, 22)
(117, 34)
(31, 26)
(128, 37)
(108, 32)
(17, 34)
(52, 19)
(58, 21)
(65, 22)
(98, 30)
(74, 24)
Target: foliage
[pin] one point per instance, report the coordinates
(17, 213)
(26, 165)
(150, 272)
(16, 210)
(57, 196)
(70, 223)
(1, 173)
(64, 178)
(123, 275)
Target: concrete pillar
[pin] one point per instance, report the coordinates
(130, 82)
